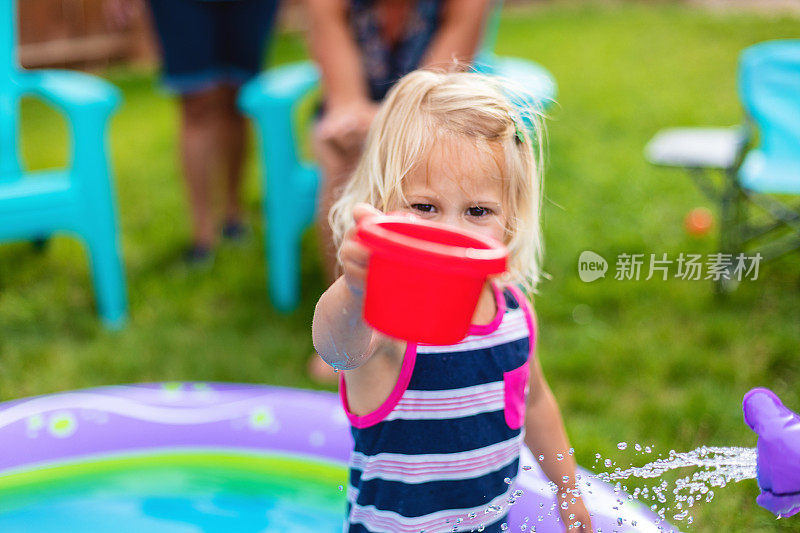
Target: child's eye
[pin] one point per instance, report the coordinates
(423, 208)
(478, 211)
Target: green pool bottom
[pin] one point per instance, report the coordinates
(175, 492)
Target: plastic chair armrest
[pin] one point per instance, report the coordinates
(702, 148)
(87, 102)
(528, 84)
(72, 92)
(281, 86)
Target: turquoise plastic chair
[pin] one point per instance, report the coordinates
(79, 199)
(289, 183)
(766, 176)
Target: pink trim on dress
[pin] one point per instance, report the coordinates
(517, 381)
(530, 316)
(515, 384)
(370, 419)
(485, 329)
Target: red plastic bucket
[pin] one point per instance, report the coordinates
(424, 278)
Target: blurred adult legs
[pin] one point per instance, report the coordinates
(212, 140)
(234, 139)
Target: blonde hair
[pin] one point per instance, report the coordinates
(426, 105)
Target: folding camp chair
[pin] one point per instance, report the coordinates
(289, 183)
(766, 175)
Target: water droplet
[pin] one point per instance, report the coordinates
(607, 463)
(622, 445)
(341, 488)
(526, 467)
(507, 481)
(560, 456)
(504, 527)
(681, 516)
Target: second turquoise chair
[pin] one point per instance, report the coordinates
(289, 183)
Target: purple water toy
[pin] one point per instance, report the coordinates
(778, 430)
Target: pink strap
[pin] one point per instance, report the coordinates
(370, 419)
(485, 329)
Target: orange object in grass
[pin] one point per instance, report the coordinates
(699, 221)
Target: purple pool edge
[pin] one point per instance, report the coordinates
(80, 425)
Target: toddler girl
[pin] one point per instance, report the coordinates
(438, 429)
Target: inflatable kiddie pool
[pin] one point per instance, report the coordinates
(197, 457)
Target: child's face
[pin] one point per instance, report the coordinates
(459, 186)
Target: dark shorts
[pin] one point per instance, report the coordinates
(205, 43)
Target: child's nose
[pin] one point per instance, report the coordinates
(454, 220)
(460, 223)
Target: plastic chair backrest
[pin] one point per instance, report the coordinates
(769, 88)
(9, 91)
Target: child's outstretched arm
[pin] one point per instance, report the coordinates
(341, 337)
(546, 437)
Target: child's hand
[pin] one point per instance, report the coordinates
(354, 255)
(575, 513)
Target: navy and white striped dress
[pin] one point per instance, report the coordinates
(438, 454)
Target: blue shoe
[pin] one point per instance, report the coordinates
(199, 256)
(234, 231)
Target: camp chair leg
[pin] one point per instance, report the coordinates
(705, 183)
(734, 226)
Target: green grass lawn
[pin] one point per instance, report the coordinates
(660, 363)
